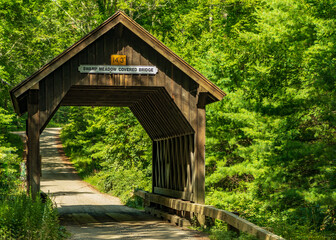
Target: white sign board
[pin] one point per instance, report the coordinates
(105, 69)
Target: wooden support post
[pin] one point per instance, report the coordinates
(200, 157)
(33, 134)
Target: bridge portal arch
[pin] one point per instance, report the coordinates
(166, 95)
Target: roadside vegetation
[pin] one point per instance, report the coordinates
(20, 216)
(271, 143)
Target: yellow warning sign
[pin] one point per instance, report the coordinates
(118, 59)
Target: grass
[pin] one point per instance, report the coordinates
(23, 218)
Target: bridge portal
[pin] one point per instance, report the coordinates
(121, 64)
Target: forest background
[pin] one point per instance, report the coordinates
(271, 142)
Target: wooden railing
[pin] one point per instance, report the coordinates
(209, 211)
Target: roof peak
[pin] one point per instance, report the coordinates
(119, 17)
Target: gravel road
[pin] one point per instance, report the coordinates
(89, 214)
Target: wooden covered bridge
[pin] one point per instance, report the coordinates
(121, 64)
(166, 95)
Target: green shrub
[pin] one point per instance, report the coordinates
(23, 218)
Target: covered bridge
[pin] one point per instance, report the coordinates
(166, 95)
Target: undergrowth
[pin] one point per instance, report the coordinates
(120, 184)
(20, 216)
(23, 218)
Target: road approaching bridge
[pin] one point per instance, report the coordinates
(89, 214)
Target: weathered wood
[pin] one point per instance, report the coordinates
(33, 134)
(162, 168)
(118, 19)
(186, 156)
(177, 165)
(154, 165)
(179, 221)
(171, 56)
(91, 59)
(200, 157)
(169, 105)
(185, 195)
(210, 211)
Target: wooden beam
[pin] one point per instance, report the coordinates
(179, 221)
(202, 99)
(210, 211)
(185, 195)
(33, 134)
(200, 157)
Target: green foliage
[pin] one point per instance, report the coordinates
(20, 216)
(10, 149)
(122, 182)
(23, 218)
(102, 141)
(270, 142)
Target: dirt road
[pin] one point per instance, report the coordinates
(89, 214)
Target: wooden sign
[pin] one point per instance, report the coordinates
(118, 59)
(104, 69)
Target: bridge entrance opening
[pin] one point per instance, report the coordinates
(166, 95)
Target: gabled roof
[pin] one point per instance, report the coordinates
(118, 18)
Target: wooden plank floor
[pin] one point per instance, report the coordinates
(88, 214)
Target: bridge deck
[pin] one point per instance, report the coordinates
(89, 214)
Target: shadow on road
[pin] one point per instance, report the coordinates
(89, 214)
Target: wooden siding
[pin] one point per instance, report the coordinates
(169, 105)
(172, 167)
(117, 25)
(175, 90)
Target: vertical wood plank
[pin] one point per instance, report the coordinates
(129, 55)
(161, 169)
(164, 164)
(168, 77)
(200, 156)
(33, 132)
(74, 74)
(154, 164)
(184, 155)
(192, 175)
(136, 80)
(179, 165)
(43, 96)
(83, 59)
(91, 60)
(160, 76)
(66, 77)
(159, 164)
(185, 97)
(192, 144)
(100, 60)
(108, 51)
(153, 62)
(176, 86)
(50, 93)
(58, 87)
(122, 52)
(167, 165)
(144, 62)
(173, 161)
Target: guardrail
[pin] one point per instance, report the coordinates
(209, 211)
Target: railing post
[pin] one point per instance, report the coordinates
(232, 228)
